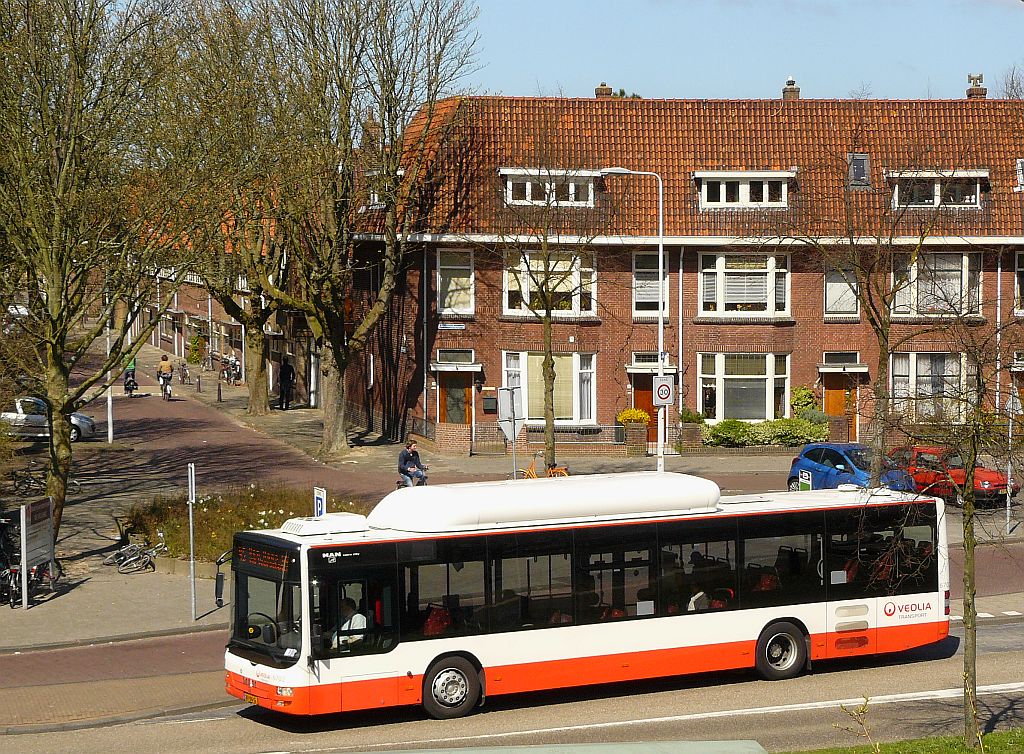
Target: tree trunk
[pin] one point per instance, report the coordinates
(972, 730)
(335, 437)
(256, 371)
(60, 457)
(548, 370)
(880, 422)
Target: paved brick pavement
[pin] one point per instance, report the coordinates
(47, 688)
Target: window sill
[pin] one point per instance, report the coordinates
(852, 319)
(555, 317)
(653, 318)
(744, 320)
(927, 319)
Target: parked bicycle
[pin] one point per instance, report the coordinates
(40, 577)
(184, 376)
(32, 481)
(530, 472)
(144, 558)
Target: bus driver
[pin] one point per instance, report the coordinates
(351, 620)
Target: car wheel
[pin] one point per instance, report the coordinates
(76, 433)
(451, 688)
(793, 485)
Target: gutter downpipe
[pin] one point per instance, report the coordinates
(999, 324)
(679, 361)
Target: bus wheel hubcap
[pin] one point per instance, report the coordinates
(781, 652)
(450, 687)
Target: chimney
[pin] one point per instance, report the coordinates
(976, 90)
(790, 90)
(603, 92)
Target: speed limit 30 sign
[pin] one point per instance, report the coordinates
(664, 391)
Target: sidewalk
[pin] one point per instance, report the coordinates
(103, 611)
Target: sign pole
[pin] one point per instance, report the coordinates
(191, 535)
(24, 557)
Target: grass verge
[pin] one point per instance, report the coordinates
(1000, 742)
(218, 516)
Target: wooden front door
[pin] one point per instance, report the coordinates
(643, 397)
(841, 398)
(455, 393)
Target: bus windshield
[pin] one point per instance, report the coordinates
(268, 603)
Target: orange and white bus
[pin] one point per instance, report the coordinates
(444, 595)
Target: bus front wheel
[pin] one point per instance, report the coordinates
(451, 688)
(781, 652)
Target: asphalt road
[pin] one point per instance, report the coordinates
(913, 694)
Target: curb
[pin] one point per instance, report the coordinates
(117, 639)
(106, 722)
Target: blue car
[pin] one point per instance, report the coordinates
(834, 463)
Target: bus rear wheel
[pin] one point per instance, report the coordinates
(451, 688)
(781, 652)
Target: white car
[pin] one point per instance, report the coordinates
(26, 418)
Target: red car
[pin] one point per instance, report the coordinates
(940, 471)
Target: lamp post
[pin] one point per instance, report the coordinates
(661, 295)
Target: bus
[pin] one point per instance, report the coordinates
(447, 594)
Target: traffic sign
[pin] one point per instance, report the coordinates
(664, 391)
(319, 501)
(805, 481)
(510, 411)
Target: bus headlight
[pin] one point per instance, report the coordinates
(285, 691)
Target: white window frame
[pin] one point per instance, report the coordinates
(373, 198)
(523, 258)
(1020, 176)
(550, 179)
(507, 380)
(851, 280)
(471, 267)
(721, 274)
(470, 351)
(664, 285)
(937, 178)
(912, 307)
(744, 179)
(1018, 289)
(718, 375)
(912, 398)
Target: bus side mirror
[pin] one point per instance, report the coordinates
(218, 589)
(316, 641)
(269, 633)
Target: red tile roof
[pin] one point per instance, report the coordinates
(677, 137)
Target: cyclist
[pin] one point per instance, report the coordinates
(130, 385)
(410, 467)
(164, 373)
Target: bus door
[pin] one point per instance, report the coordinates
(355, 612)
(855, 563)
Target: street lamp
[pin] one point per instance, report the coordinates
(661, 295)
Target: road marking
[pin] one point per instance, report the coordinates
(1011, 612)
(1001, 688)
(985, 615)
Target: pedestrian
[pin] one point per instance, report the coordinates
(410, 467)
(286, 383)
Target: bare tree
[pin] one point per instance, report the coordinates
(360, 81)
(90, 201)
(226, 86)
(550, 207)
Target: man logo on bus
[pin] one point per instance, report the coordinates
(890, 609)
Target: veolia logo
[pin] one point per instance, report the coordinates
(890, 609)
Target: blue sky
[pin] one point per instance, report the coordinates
(746, 48)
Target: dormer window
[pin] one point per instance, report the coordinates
(927, 189)
(548, 188)
(860, 170)
(734, 189)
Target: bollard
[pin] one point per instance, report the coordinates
(199, 383)
(220, 397)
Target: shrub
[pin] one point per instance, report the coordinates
(813, 415)
(630, 415)
(219, 516)
(789, 432)
(196, 349)
(731, 433)
(802, 398)
(688, 416)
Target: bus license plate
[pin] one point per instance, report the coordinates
(250, 699)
